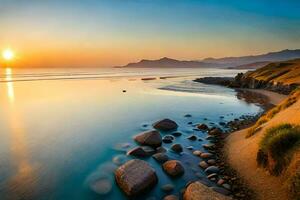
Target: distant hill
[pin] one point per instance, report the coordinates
(244, 60)
(252, 66)
(170, 63)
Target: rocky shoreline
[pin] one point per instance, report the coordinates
(137, 176)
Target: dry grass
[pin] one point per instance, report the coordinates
(294, 96)
(294, 186)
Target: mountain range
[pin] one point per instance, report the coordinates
(243, 62)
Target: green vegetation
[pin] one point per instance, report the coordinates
(278, 146)
(294, 96)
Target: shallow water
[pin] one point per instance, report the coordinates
(59, 137)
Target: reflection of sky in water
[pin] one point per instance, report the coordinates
(56, 134)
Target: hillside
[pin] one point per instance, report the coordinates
(169, 63)
(251, 66)
(270, 57)
(243, 154)
(281, 77)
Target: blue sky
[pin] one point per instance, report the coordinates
(108, 32)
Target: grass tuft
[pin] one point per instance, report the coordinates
(277, 147)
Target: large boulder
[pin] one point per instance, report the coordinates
(150, 138)
(173, 168)
(198, 191)
(135, 177)
(165, 125)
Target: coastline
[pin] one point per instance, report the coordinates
(240, 155)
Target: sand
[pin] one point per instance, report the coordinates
(241, 153)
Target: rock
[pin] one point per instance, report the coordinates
(167, 187)
(221, 190)
(215, 131)
(150, 138)
(190, 123)
(203, 164)
(173, 168)
(226, 186)
(198, 191)
(168, 139)
(135, 177)
(197, 153)
(211, 161)
(161, 150)
(212, 169)
(171, 197)
(102, 186)
(206, 155)
(213, 175)
(222, 123)
(177, 148)
(200, 139)
(187, 115)
(192, 137)
(160, 157)
(190, 147)
(176, 134)
(221, 181)
(208, 146)
(165, 125)
(119, 159)
(143, 151)
(202, 127)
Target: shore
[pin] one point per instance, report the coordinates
(241, 156)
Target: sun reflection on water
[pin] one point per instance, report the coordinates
(10, 86)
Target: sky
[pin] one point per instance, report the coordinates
(101, 33)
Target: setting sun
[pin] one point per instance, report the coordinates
(8, 54)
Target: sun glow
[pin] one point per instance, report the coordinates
(8, 54)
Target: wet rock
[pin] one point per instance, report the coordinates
(192, 137)
(161, 157)
(211, 161)
(221, 190)
(190, 123)
(119, 159)
(168, 139)
(202, 127)
(165, 125)
(222, 123)
(212, 169)
(177, 148)
(203, 165)
(167, 187)
(215, 131)
(150, 138)
(143, 151)
(188, 115)
(190, 147)
(102, 186)
(213, 175)
(200, 139)
(197, 153)
(221, 181)
(206, 155)
(226, 186)
(135, 177)
(161, 150)
(176, 134)
(198, 191)
(209, 146)
(173, 168)
(171, 197)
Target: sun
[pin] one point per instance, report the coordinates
(8, 54)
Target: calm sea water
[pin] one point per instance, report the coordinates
(61, 129)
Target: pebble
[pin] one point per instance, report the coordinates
(213, 175)
(227, 186)
(212, 169)
(176, 134)
(192, 137)
(206, 155)
(177, 148)
(161, 150)
(221, 182)
(203, 165)
(197, 153)
(211, 161)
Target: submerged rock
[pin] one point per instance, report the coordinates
(188, 115)
(135, 177)
(197, 153)
(202, 127)
(143, 151)
(176, 134)
(168, 139)
(173, 168)
(161, 157)
(192, 137)
(215, 131)
(102, 186)
(167, 187)
(165, 125)
(119, 159)
(161, 150)
(150, 138)
(177, 148)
